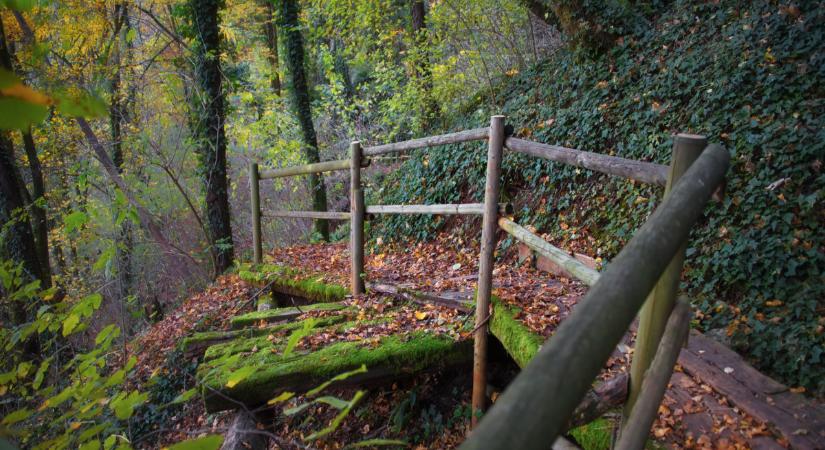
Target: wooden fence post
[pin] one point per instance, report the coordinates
(255, 200)
(657, 308)
(485, 265)
(357, 220)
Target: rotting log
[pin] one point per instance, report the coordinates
(655, 312)
(636, 428)
(607, 395)
(329, 215)
(255, 201)
(463, 305)
(537, 405)
(243, 433)
(476, 134)
(305, 169)
(452, 208)
(568, 263)
(645, 172)
(485, 265)
(357, 214)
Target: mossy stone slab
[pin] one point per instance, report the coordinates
(281, 314)
(292, 282)
(274, 373)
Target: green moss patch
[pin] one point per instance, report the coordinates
(281, 314)
(293, 282)
(268, 373)
(521, 343)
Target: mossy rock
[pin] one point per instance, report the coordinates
(281, 314)
(293, 282)
(521, 343)
(274, 373)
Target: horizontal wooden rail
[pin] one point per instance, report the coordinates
(477, 134)
(538, 404)
(460, 208)
(645, 172)
(570, 264)
(329, 215)
(326, 166)
(636, 430)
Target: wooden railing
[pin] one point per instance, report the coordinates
(534, 410)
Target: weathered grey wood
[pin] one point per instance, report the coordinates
(477, 134)
(412, 295)
(654, 314)
(243, 433)
(610, 394)
(329, 215)
(255, 200)
(485, 267)
(645, 172)
(304, 169)
(356, 222)
(636, 428)
(452, 208)
(551, 252)
(538, 403)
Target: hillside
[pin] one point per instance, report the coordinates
(748, 77)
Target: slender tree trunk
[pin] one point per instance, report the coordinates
(422, 72)
(209, 128)
(294, 43)
(40, 225)
(118, 117)
(271, 34)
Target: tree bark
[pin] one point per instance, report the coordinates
(271, 34)
(208, 129)
(294, 43)
(422, 70)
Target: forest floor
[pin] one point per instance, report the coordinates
(431, 410)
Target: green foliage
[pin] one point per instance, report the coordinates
(749, 77)
(65, 399)
(596, 435)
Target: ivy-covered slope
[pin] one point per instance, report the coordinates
(748, 75)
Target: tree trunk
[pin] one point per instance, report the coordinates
(208, 127)
(294, 42)
(40, 224)
(118, 117)
(586, 26)
(271, 34)
(422, 70)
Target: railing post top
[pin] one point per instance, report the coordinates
(689, 138)
(355, 143)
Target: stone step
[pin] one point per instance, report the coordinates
(279, 315)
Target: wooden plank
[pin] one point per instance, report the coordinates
(330, 215)
(539, 401)
(800, 421)
(568, 263)
(459, 208)
(645, 172)
(326, 166)
(477, 134)
(460, 304)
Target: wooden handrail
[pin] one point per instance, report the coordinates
(329, 215)
(326, 166)
(572, 265)
(477, 134)
(637, 428)
(538, 403)
(449, 208)
(646, 172)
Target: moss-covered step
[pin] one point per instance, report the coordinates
(267, 373)
(519, 341)
(196, 344)
(281, 314)
(292, 282)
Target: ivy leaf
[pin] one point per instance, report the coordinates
(212, 442)
(94, 444)
(239, 375)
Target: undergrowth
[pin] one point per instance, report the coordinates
(747, 75)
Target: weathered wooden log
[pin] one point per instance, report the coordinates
(243, 434)
(463, 305)
(645, 172)
(330, 215)
(305, 169)
(453, 208)
(477, 134)
(654, 314)
(610, 394)
(356, 222)
(495, 148)
(636, 428)
(568, 263)
(255, 202)
(537, 405)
